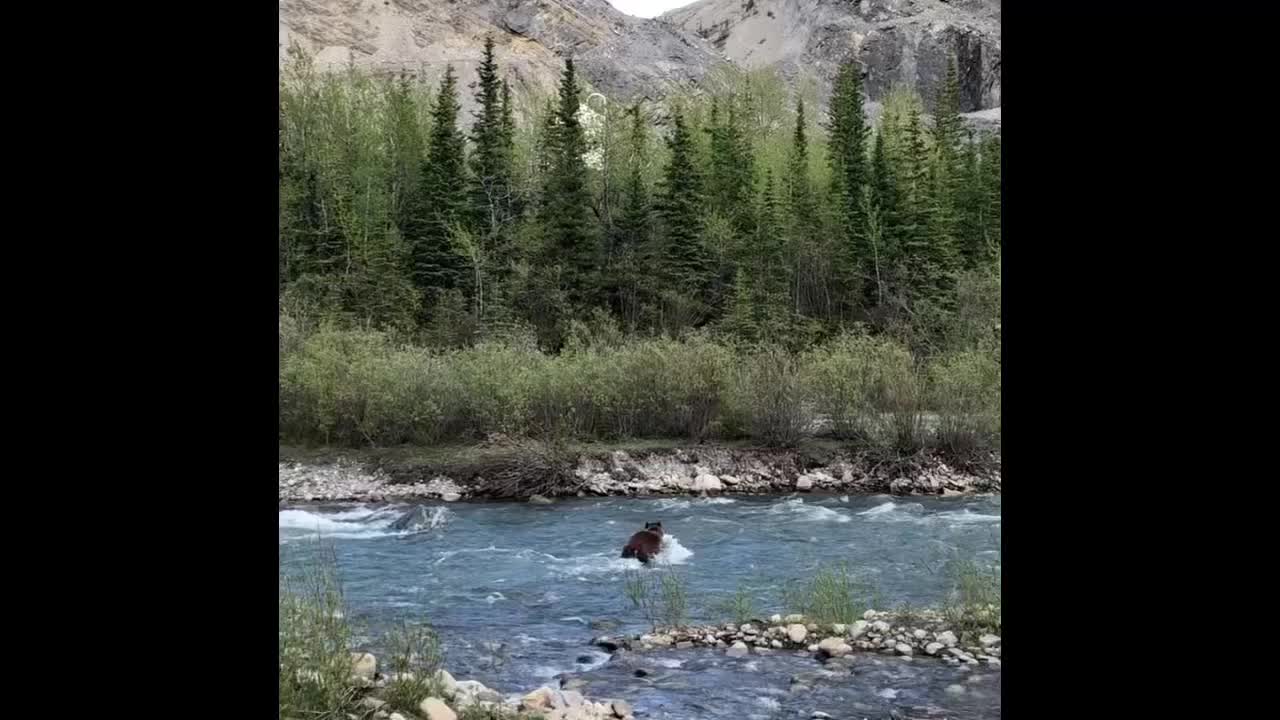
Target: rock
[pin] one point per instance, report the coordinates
(857, 629)
(572, 683)
(364, 665)
(543, 698)
(797, 633)
(435, 709)
(451, 497)
(903, 649)
(933, 648)
(804, 482)
(869, 615)
(839, 628)
(947, 638)
(794, 618)
(706, 482)
(729, 479)
(621, 708)
(833, 647)
(819, 715)
(775, 618)
(919, 634)
(684, 645)
(606, 643)
(539, 500)
(880, 626)
(813, 648)
(447, 683)
(572, 698)
(988, 640)
(397, 716)
(372, 703)
(738, 649)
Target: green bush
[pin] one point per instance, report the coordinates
(361, 388)
(768, 397)
(965, 390)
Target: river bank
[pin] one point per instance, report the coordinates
(529, 471)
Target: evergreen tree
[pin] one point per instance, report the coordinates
(435, 264)
(947, 173)
(991, 191)
(848, 159)
(970, 199)
(799, 188)
(567, 196)
(731, 177)
(490, 162)
(683, 261)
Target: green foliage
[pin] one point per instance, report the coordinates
(413, 655)
(315, 640)
(834, 594)
(661, 593)
(966, 394)
(703, 216)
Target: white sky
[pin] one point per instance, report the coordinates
(647, 8)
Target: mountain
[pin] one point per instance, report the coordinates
(626, 58)
(897, 41)
(629, 58)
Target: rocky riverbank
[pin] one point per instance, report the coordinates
(458, 696)
(360, 477)
(924, 634)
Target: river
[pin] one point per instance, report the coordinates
(513, 588)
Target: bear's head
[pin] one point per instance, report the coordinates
(654, 527)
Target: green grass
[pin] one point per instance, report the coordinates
(834, 594)
(413, 654)
(315, 641)
(661, 593)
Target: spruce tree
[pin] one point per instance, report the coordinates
(683, 262)
(568, 198)
(731, 177)
(947, 173)
(848, 159)
(991, 188)
(490, 162)
(435, 264)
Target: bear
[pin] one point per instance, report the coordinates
(645, 544)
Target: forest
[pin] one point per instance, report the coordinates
(731, 264)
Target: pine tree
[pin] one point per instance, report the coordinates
(848, 159)
(970, 199)
(568, 198)
(683, 260)
(947, 173)
(490, 162)
(634, 224)
(991, 190)
(770, 262)
(435, 264)
(732, 175)
(799, 188)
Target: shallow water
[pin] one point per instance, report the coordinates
(513, 587)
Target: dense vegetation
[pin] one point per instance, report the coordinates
(729, 271)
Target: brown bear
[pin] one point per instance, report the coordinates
(645, 544)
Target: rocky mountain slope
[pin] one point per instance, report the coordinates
(626, 58)
(898, 41)
(629, 58)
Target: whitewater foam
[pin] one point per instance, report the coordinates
(808, 513)
(358, 523)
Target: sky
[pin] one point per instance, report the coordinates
(647, 8)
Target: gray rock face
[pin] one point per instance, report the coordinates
(633, 59)
(898, 41)
(626, 58)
